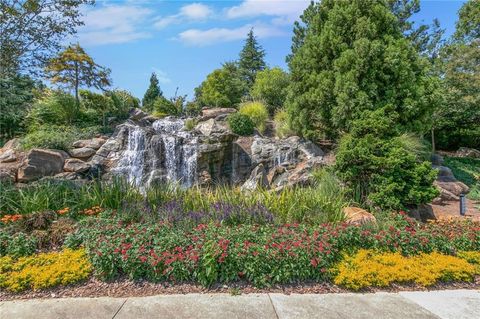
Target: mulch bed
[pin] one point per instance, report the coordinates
(125, 288)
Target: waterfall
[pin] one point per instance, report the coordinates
(164, 152)
(132, 162)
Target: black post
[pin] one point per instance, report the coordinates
(462, 205)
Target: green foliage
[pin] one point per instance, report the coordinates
(271, 87)
(354, 57)
(163, 106)
(152, 94)
(380, 168)
(222, 88)
(16, 246)
(53, 108)
(257, 112)
(282, 124)
(15, 98)
(466, 170)
(241, 124)
(190, 124)
(251, 59)
(468, 24)
(56, 137)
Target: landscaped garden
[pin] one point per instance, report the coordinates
(326, 177)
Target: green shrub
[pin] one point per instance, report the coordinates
(241, 124)
(190, 124)
(271, 87)
(53, 108)
(380, 168)
(257, 112)
(21, 245)
(282, 125)
(56, 137)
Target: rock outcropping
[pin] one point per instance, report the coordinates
(147, 150)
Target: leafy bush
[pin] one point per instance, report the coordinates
(16, 245)
(241, 124)
(190, 124)
(371, 269)
(44, 270)
(56, 137)
(257, 112)
(270, 86)
(380, 168)
(282, 125)
(53, 108)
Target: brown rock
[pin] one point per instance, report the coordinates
(456, 187)
(212, 113)
(39, 163)
(94, 143)
(83, 153)
(11, 145)
(75, 165)
(8, 156)
(467, 152)
(358, 216)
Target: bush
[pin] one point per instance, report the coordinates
(53, 108)
(44, 270)
(380, 168)
(241, 124)
(56, 137)
(190, 124)
(271, 87)
(257, 112)
(282, 125)
(371, 269)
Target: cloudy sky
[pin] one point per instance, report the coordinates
(182, 41)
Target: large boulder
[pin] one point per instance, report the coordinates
(39, 163)
(454, 187)
(358, 216)
(212, 128)
(8, 156)
(258, 179)
(217, 112)
(94, 143)
(76, 165)
(82, 153)
(467, 152)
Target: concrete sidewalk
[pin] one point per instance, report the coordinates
(455, 304)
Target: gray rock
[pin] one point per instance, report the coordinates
(8, 156)
(12, 144)
(211, 128)
(83, 152)
(467, 152)
(75, 165)
(137, 114)
(258, 179)
(7, 175)
(39, 163)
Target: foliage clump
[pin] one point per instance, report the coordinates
(270, 86)
(257, 112)
(241, 124)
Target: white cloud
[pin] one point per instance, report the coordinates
(287, 10)
(113, 24)
(189, 12)
(162, 76)
(196, 37)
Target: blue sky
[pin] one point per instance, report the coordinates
(183, 41)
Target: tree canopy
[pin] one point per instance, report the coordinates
(251, 59)
(153, 92)
(74, 68)
(354, 57)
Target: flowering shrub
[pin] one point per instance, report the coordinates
(91, 211)
(260, 254)
(63, 211)
(368, 268)
(44, 270)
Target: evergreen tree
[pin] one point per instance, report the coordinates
(153, 92)
(354, 57)
(74, 68)
(251, 59)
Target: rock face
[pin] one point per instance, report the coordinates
(146, 150)
(39, 163)
(450, 188)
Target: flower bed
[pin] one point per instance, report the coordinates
(44, 270)
(368, 268)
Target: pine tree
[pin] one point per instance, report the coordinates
(74, 68)
(251, 59)
(355, 57)
(153, 92)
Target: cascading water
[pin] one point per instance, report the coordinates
(131, 163)
(166, 152)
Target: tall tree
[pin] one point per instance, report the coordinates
(271, 87)
(458, 116)
(354, 57)
(74, 68)
(153, 92)
(251, 59)
(32, 30)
